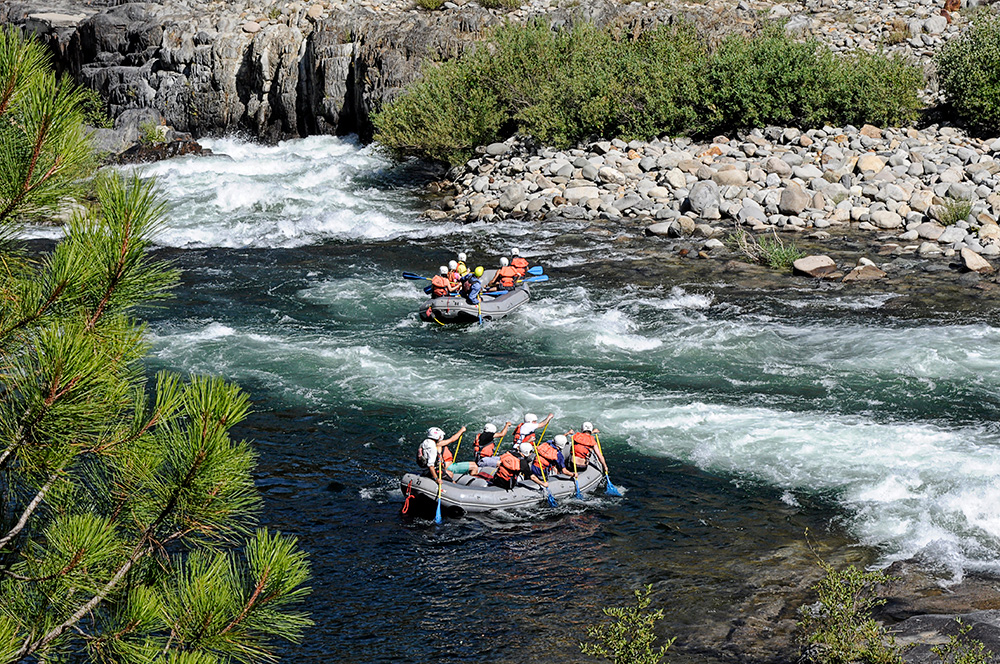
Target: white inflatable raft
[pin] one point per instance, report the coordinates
(469, 493)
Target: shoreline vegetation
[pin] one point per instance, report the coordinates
(583, 83)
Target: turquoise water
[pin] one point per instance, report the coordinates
(734, 422)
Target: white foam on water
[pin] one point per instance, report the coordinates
(296, 193)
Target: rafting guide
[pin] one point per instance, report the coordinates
(530, 471)
(460, 295)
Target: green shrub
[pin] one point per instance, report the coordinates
(962, 649)
(769, 250)
(563, 86)
(955, 210)
(839, 628)
(430, 4)
(630, 638)
(149, 133)
(969, 72)
(500, 4)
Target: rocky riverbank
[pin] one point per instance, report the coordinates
(914, 194)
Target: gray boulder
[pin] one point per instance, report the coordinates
(704, 197)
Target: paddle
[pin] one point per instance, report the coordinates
(541, 277)
(457, 448)
(534, 443)
(437, 516)
(535, 270)
(414, 277)
(610, 488)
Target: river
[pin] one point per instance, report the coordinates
(734, 420)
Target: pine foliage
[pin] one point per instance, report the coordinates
(128, 527)
(43, 147)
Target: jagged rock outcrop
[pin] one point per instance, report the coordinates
(298, 70)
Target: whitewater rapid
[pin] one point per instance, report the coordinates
(891, 422)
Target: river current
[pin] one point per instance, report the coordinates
(733, 422)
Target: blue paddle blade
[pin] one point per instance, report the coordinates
(610, 488)
(550, 498)
(428, 290)
(541, 277)
(537, 269)
(414, 277)
(579, 496)
(437, 517)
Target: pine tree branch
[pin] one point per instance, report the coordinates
(56, 292)
(30, 509)
(116, 277)
(249, 605)
(27, 187)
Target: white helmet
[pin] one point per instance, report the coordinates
(561, 440)
(443, 269)
(490, 428)
(435, 433)
(587, 426)
(514, 252)
(452, 265)
(461, 257)
(525, 449)
(530, 417)
(504, 262)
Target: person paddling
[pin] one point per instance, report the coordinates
(525, 431)
(505, 276)
(514, 465)
(436, 444)
(485, 445)
(472, 287)
(441, 285)
(519, 264)
(583, 444)
(550, 457)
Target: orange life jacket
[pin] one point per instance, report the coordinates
(521, 437)
(455, 276)
(547, 456)
(507, 276)
(508, 468)
(446, 457)
(439, 285)
(520, 265)
(487, 449)
(583, 445)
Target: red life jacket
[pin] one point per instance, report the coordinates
(454, 277)
(520, 265)
(520, 437)
(583, 445)
(439, 285)
(508, 468)
(446, 457)
(507, 276)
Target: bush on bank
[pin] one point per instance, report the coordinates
(969, 73)
(562, 86)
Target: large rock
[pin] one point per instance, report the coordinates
(814, 266)
(704, 197)
(864, 273)
(974, 262)
(870, 162)
(731, 178)
(886, 219)
(579, 194)
(511, 196)
(793, 200)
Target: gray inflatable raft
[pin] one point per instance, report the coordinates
(458, 310)
(469, 493)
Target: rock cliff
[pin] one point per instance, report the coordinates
(289, 70)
